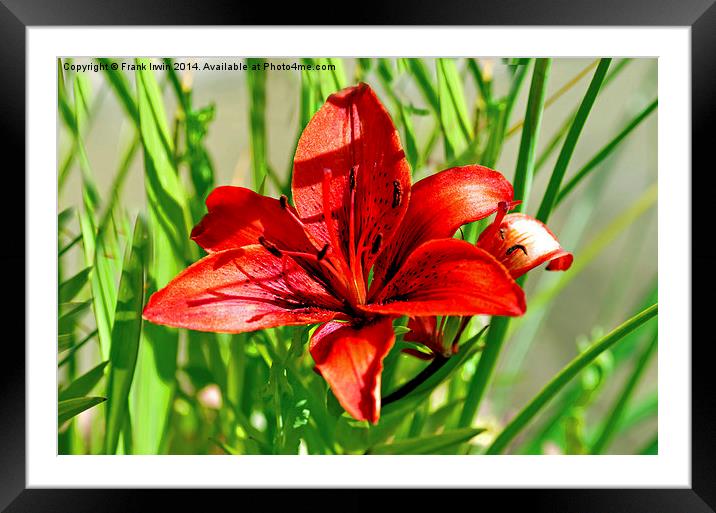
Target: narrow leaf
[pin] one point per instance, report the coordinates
(126, 335)
(71, 407)
(530, 132)
(607, 150)
(428, 444)
(618, 408)
(84, 384)
(69, 288)
(256, 82)
(550, 196)
(453, 109)
(564, 376)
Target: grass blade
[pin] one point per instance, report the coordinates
(605, 151)
(72, 407)
(556, 95)
(69, 288)
(84, 384)
(119, 83)
(530, 134)
(562, 130)
(165, 193)
(169, 232)
(496, 137)
(256, 82)
(432, 444)
(484, 85)
(425, 84)
(605, 237)
(550, 196)
(564, 376)
(455, 121)
(617, 410)
(522, 184)
(126, 335)
(63, 102)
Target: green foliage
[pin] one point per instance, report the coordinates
(169, 391)
(70, 407)
(126, 335)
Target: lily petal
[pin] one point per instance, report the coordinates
(422, 329)
(350, 359)
(450, 277)
(439, 205)
(238, 217)
(522, 243)
(240, 290)
(351, 151)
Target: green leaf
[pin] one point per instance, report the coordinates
(651, 448)
(73, 347)
(502, 112)
(607, 150)
(256, 82)
(385, 73)
(485, 368)
(455, 121)
(328, 81)
(84, 384)
(555, 182)
(71, 407)
(120, 84)
(601, 241)
(564, 376)
(166, 196)
(564, 127)
(70, 313)
(484, 85)
(438, 418)
(65, 217)
(155, 375)
(101, 277)
(82, 96)
(63, 102)
(424, 389)
(97, 245)
(69, 288)
(428, 444)
(126, 335)
(530, 132)
(425, 84)
(618, 408)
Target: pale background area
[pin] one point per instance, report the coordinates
(583, 303)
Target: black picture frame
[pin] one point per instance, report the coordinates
(17, 15)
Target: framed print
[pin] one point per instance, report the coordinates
(308, 257)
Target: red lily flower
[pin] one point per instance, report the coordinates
(272, 264)
(517, 241)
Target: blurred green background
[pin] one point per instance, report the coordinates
(609, 290)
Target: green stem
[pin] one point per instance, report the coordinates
(530, 132)
(572, 369)
(485, 368)
(555, 182)
(623, 399)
